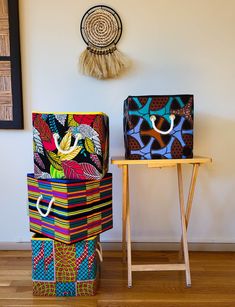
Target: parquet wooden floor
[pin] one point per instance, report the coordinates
(213, 282)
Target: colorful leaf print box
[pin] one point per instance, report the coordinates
(158, 127)
(70, 210)
(65, 270)
(70, 145)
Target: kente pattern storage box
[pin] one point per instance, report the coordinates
(70, 210)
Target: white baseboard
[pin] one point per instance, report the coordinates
(145, 246)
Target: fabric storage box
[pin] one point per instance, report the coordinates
(158, 127)
(65, 270)
(70, 210)
(70, 145)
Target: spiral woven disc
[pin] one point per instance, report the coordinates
(101, 27)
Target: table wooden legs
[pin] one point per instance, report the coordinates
(129, 266)
(183, 225)
(190, 200)
(191, 192)
(126, 227)
(126, 230)
(124, 207)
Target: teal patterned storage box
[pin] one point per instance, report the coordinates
(158, 127)
(59, 269)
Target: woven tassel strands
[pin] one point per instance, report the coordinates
(103, 64)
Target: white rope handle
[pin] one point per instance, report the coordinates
(99, 251)
(172, 118)
(48, 209)
(56, 136)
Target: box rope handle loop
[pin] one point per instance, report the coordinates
(172, 118)
(99, 251)
(49, 206)
(56, 136)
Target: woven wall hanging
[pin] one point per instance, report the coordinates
(101, 29)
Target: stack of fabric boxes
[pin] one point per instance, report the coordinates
(70, 201)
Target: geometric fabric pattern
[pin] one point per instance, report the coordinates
(85, 288)
(79, 288)
(64, 270)
(158, 127)
(65, 262)
(80, 209)
(43, 260)
(70, 145)
(41, 288)
(85, 255)
(65, 289)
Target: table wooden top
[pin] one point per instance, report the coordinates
(161, 162)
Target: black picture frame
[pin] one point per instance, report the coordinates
(15, 60)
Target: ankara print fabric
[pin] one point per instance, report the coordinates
(79, 208)
(56, 261)
(43, 262)
(65, 262)
(71, 146)
(43, 288)
(87, 288)
(79, 288)
(64, 270)
(158, 127)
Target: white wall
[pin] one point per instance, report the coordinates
(177, 46)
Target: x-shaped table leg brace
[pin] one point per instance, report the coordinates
(186, 216)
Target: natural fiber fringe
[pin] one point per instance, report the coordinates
(102, 66)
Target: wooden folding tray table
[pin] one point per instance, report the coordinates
(184, 214)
